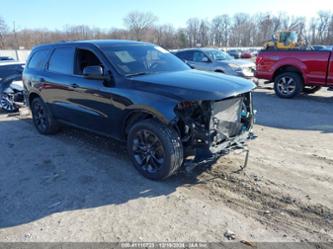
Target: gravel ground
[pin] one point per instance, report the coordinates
(76, 186)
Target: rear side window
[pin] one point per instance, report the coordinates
(186, 55)
(62, 61)
(38, 59)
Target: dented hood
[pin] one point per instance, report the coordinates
(193, 85)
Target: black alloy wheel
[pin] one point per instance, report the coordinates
(42, 118)
(148, 151)
(155, 149)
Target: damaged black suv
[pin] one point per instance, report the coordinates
(139, 93)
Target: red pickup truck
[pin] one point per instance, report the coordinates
(295, 71)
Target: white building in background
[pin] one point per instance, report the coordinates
(20, 55)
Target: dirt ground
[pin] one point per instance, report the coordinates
(76, 186)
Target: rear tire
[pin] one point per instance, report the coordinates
(311, 89)
(288, 85)
(155, 149)
(42, 117)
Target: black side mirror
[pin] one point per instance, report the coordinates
(94, 72)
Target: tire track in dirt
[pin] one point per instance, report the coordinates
(258, 200)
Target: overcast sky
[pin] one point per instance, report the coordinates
(53, 14)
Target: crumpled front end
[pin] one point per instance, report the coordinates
(215, 127)
(231, 122)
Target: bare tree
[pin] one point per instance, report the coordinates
(192, 30)
(166, 36)
(220, 30)
(323, 23)
(139, 23)
(313, 30)
(204, 33)
(181, 39)
(3, 32)
(330, 31)
(239, 30)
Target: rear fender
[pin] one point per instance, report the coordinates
(291, 62)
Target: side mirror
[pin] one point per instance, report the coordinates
(205, 59)
(94, 72)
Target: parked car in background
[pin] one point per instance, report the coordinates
(246, 54)
(297, 71)
(8, 68)
(142, 94)
(11, 86)
(254, 52)
(6, 58)
(320, 47)
(209, 59)
(236, 53)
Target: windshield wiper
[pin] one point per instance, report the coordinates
(136, 74)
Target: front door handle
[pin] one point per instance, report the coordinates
(74, 85)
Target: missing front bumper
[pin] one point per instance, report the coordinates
(230, 127)
(222, 150)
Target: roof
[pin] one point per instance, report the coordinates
(97, 43)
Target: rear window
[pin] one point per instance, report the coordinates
(38, 59)
(62, 61)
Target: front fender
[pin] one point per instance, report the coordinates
(133, 100)
(165, 113)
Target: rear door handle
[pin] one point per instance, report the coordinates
(74, 85)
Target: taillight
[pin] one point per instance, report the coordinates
(259, 60)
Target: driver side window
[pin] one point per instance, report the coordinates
(198, 56)
(85, 58)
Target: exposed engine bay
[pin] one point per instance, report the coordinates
(215, 127)
(11, 93)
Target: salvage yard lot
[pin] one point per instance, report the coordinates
(76, 186)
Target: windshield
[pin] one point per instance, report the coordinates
(136, 59)
(217, 55)
(293, 37)
(289, 37)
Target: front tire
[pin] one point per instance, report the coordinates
(42, 117)
(288, 85)
(155, 149)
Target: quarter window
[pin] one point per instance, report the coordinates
(62, 61)
(38, 59)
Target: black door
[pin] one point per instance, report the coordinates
(91, 107)
(58, 83)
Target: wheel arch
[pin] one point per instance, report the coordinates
(286, 69)
(32, 96)
(139, 114)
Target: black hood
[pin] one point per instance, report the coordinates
(193, 85)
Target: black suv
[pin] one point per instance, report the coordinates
(139, 93)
